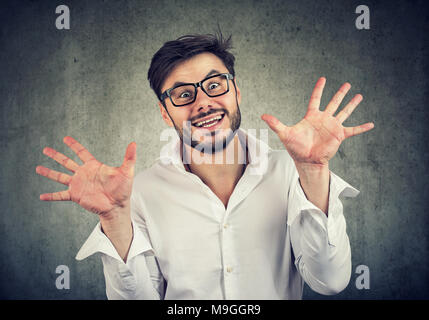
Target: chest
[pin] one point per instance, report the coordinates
(197, 220)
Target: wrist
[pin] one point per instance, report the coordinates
(313, 174)
(315, 181)
(117, 226)
(117, 222)
(311, 168)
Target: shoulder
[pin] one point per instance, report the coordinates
(280, 158)
(155, 174)
(281, 163)
(278, 155)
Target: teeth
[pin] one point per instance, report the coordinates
(201, 123)
(209, 125)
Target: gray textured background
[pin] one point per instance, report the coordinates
(90, 82)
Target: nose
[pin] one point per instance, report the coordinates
(202, 102)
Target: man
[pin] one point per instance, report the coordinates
(255, 226)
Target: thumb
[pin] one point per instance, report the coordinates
(130, 159)
(276, 125)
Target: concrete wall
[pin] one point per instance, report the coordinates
(90, 82)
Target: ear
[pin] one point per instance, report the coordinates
(238, 91)
(165, 115)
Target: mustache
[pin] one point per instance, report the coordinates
(205, 114)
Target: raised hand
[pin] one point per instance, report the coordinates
(316, 138)
(95, 186)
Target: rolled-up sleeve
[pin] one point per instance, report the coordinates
(138, 278)
(320, 243)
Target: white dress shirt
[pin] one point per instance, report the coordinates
(264, 245)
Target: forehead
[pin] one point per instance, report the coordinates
(194, 69)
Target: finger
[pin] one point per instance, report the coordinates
(54, 175)
(276, 125)
(353, 131)
(130, 159)
(56, 196)
(66, 162)
(349, 108)
(317, 94)
(337, 98)
(80, 150)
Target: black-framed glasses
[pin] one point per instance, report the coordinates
(186, 93)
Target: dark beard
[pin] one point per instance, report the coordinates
(217, 146)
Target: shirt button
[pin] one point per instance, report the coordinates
(225, 226)
(229, 269)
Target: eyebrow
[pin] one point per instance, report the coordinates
(212, 72)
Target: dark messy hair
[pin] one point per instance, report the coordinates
(176, 51)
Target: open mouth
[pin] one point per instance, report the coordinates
(209, 122)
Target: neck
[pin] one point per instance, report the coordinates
(224, 167)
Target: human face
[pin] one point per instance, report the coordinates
(185, 119)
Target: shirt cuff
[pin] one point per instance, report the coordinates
(99, 242)
(298, 202)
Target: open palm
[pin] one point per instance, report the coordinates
(316, 138)
(95, 186)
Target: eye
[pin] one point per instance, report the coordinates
(213, 85)
(185, 94)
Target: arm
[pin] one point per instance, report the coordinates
(140, 277)
(315, 184)
(319, 239)
(320, 243)
(106, 191)
(118, 228)
(137, 278)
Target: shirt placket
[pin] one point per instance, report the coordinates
(229, 263)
